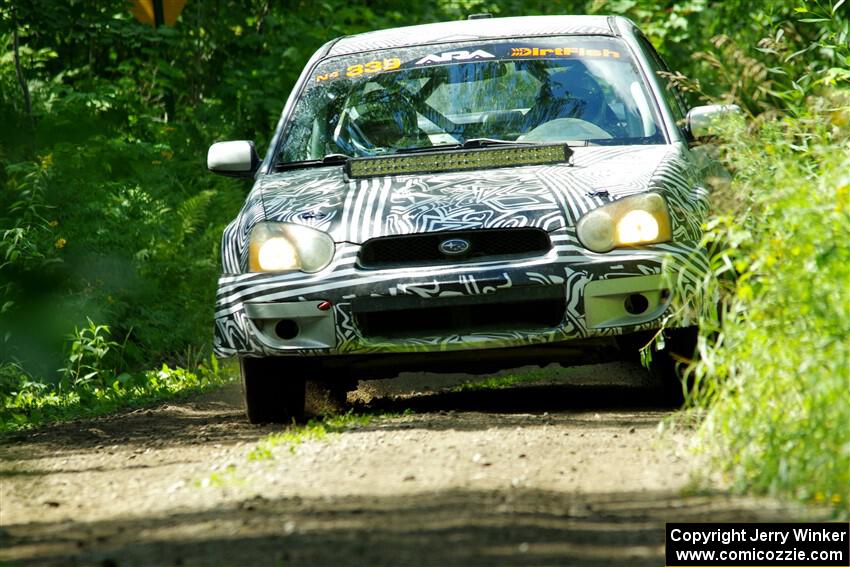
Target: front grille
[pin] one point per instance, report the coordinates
(424, 249)
(521, 308)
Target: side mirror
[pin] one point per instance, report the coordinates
(702, 120)
(234, 159)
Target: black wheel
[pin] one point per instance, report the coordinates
(669, 364)
(273, 389)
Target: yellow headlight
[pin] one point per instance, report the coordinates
(277, 255)
(637, 226)
(282, 247)
(639, 219)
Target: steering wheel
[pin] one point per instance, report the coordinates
(562, 129)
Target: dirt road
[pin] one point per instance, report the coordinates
(571, 471)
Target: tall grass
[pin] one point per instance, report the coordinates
(775, 371)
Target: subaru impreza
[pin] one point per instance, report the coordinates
(465, 196)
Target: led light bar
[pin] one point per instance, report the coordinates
(458, 160)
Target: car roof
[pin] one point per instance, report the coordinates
(471, 30)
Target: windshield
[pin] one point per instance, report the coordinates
(563, 89)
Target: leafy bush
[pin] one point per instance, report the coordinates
(89, 348)
(776, 381)
(774, 374)
(28, 402)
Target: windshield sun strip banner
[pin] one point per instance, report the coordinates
(511, 51)
(458, 160)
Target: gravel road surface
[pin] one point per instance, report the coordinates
(572, 470)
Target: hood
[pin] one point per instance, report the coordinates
(543, 196)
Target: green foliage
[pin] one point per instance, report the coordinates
(776, 375)
(89, 347)
(27, 402)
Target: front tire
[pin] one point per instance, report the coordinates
(670, 364)
(273, 389)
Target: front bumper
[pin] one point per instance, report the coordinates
(567, 294)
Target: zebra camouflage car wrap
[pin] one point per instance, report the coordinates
(551, 198)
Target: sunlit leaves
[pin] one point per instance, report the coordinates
(777, 378)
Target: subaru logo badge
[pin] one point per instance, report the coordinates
(454, 246)
(312, 215)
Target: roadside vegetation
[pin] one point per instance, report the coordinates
(774, 371)
(774, 376)
(30, 403)
(110, 226)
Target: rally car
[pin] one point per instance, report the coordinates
(464, 196)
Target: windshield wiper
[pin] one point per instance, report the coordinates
(472, 143)
(489, 142)
(330, 159)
